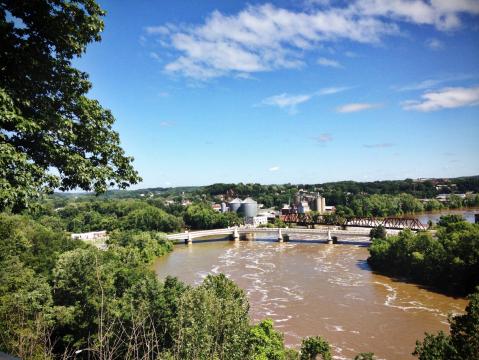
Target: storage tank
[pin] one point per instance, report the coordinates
(323, 204)
(223, 207)
(234, 205)
(249, 207)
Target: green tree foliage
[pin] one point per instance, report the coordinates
(150, 218)
(212, 321)
(461, 344)
(267, 344)
(381, 205)
(315, 347)
(202, 216)
(149, 244)
(448, 261)
(26, 311)
(378, 232)
(46, 119)
(34, 244)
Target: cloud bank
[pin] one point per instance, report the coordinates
(265, 37)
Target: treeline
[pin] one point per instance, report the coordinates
(86, 214)
(394, 205)
(61, 298)
(448, 260)
(340, 192)
(336, 192)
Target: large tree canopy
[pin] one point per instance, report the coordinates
(51, 134)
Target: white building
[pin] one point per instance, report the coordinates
(92, 235)
(256, 220)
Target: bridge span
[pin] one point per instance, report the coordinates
(328, 234)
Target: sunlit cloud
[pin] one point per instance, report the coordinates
(355, 107)
(265, 37)
(446, 98)
(287, 101)
(435, 82)
(291, 101)
(273, 168)
(329, 63)
(434, 44)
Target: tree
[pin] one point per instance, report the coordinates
(463, 343)
(266, 343)
(378, 232)
(46, 120)
(26, 312)
(212, 321)
(314, 346)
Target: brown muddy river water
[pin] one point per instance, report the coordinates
(310, 288)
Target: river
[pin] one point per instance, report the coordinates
(424, 217)
(311, 288)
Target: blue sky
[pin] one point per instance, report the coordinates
(291, 91)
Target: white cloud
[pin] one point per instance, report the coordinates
(329, 62)
(286, 101)
(273, 168)
(432, 83)
(331, 90)
(261, 38)
(434, 44)
(290, 101)
(446, 98)
(163, 30)
(355, 107)
(265, 37)
(443, 14)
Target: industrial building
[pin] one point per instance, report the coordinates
(304, 202)
(247, 207)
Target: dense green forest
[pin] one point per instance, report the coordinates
(61, 298)
(447, 260)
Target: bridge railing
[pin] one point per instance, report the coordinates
(247, 230)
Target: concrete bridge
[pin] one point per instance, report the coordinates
(329, 234)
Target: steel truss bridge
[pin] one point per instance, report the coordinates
(370, 222)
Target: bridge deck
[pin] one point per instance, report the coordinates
(320, 233)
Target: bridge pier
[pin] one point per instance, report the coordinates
(236, 235)
(282, 237)
(330, 239)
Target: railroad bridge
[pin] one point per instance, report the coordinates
(398, 223)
